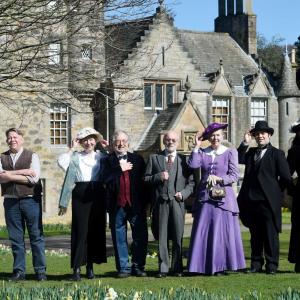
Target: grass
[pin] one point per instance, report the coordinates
(235, 284)
(49, 230)
(65, 229)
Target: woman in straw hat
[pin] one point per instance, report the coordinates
(294, 163)
(216, 244)
(83, 182)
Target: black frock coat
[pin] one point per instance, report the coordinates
(112, 175)
(273, 175)
(294, 163)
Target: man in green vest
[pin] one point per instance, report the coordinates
(19, 178)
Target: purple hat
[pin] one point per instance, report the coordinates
(212, 128)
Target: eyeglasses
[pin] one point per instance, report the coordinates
(121, 141)
(171, 140)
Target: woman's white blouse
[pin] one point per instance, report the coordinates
(89, 165)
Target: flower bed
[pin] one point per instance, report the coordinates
(96, 291)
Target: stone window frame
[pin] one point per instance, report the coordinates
(153, 91)
(55, 54)
(86, 52)
(263, 110)
(60, 129)
(219, 114)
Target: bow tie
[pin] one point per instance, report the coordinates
(262, 147)
(122, 157)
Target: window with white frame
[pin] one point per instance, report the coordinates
(59, 124)
(86, 52)
(259, 108)
(158, 95)
(221, 113)
(54, 54)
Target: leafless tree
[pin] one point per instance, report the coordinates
(54, 50)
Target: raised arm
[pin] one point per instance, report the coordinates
(195, 159)
(242, 149)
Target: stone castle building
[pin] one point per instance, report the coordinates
(169, 78)
(50, 100)
(149, 77)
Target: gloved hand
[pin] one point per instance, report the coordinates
(62, 211)
(212, 180)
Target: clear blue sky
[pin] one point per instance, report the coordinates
(274, 17)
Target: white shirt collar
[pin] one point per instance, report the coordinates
(210, 151)
(15, 153)
(173, 154)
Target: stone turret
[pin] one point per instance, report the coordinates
(288, 96)
(239, 24)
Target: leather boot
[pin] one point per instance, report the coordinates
(76, 275)
(89, 271)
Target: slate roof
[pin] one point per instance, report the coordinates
(288, 86)
(121, 38)
(207, 48)
(161, 123)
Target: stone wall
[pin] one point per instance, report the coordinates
(35, 123)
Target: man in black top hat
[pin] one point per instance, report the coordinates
(266, 174)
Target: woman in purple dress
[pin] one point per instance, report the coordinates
(216, 244)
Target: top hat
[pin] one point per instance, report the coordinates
(295, 127)
(212, 128)
(263, 127)
(87, 131)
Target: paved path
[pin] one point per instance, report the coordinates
(63, 242)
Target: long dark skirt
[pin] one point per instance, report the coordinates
(88, 237)
(294, 250)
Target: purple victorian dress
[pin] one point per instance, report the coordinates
(216, 243)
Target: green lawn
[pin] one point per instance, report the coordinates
(63, 229)
(49, 230)
(235, 284)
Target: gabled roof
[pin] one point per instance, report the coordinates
(207, 48)
(161, 123)
(121, 38)
(288, 86)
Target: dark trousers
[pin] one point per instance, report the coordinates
(294, 248)
(18, 214)
(264, 236)
(138, 223)
(88, 236)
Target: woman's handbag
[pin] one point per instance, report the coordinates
(216, 193)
